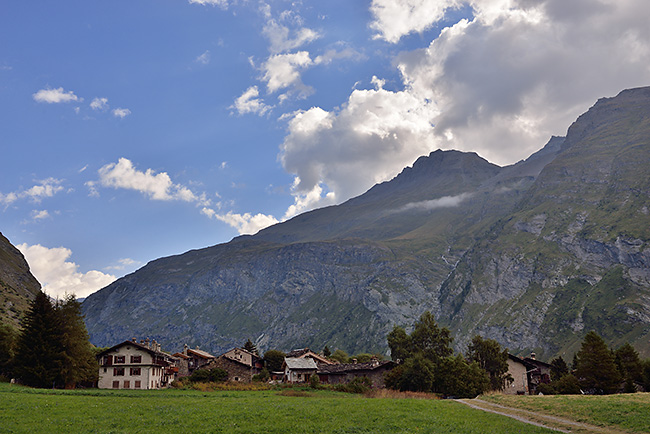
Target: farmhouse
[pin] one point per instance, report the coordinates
(133, 365)
(298, 370)
(527, 374)
(346, 372)
(192, 359)
(306, 353)
(240, 364)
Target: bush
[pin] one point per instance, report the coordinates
(314, 381)
(358, 385)
(263, 376)
(568, 385)
(208, 376)
(546, 389)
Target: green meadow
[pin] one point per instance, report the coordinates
(271, 411)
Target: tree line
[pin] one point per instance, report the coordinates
(427, 364)
(53, 347)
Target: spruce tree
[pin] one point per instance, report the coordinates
(597, 370)
(559, 368)
(250, 347)
(7, 349)
(79, 363)
(40, 352)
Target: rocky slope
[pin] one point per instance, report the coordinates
(531, 254)
(18, 286)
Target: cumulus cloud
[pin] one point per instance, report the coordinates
(43, 189)
(370, 139)
(283, 70)
(157, 186)
(121, 112)
(246, 224)
(99, 104)
(58, 276)
(249, 102)
(54, 96)
(397, 18)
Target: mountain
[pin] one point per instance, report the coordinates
(510, 252)
(18, 286)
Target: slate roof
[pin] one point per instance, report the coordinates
(200, 353)
(300, 363)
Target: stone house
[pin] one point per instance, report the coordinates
(298, 370)
(133, 365)
(346, 372)
(192, 359)
(240, 364)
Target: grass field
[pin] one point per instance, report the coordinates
(628, 412)
(272, 411)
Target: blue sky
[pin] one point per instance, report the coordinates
(132, 130)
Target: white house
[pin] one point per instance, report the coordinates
(133, 365)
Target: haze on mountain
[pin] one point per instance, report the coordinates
(534, 255)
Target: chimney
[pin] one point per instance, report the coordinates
(354, 361)
(185, 348)
(146, 342)
(134, 340)
(532, 356)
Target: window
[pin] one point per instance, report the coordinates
(105, 369)
(136, 359)
(137, 384)
(120, 359)
(118, 371)
(116, 384)
(127, 384)
(135, 372)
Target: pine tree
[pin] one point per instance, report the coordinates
(250, 347)
(40, 352)
(597, 370)
(629, 366)
(79, 364)
(559, 368)
(7, 348)
(326, 351)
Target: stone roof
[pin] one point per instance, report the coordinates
(343, 368)
(294, 363)
(200, 353)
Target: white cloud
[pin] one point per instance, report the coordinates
(249, 102)
(397, 18)
(40, 215)
(441, 202)
(99, 104)
(204, 58)
(157, 186)
(121, 112)
(221, 3)
(281, 39)
(54, 96)
(521, 71)
(283, 70)
(44, 189)
(58, 276)
(246, 224)
(122, 264)
(370, 139)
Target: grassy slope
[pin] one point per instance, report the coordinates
(34, 411)
(629, 412)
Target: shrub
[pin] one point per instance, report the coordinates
(358, 385)
(546, 389)
(314, 381)
(263, 376)
(208, 375)
(568, 385)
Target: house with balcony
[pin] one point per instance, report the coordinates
(136, 365)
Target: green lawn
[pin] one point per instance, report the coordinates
(630, 412)
(33, 411)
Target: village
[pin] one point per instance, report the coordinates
(143, 365)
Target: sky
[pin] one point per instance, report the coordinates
(133, 130)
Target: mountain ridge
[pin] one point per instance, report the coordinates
(456, 238)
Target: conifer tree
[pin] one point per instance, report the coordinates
(40, 353)
(559, 368)
(250, 347)
(597, 370)
(79, 363)
(7, 348)
(326, 351)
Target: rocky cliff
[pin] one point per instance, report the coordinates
(532, 254)
(18, 286)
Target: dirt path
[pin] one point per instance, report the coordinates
(551, 422)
